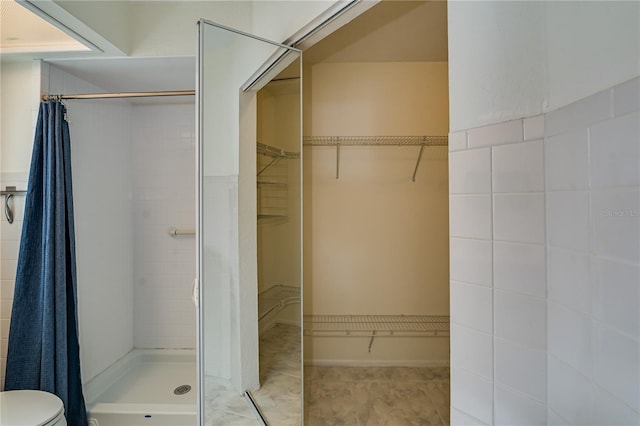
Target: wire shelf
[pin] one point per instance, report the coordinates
(344, 141)
(275, 152)
(375, 140)
(378, 325)
(277, 297)
(272, 181)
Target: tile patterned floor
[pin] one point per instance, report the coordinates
(280, 394)
(224, 407)
(334, 396)
(372, 396)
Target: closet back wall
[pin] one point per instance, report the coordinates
(376, 242)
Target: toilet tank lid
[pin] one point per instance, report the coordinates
(28, 407)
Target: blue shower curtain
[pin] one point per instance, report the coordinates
(43, 350)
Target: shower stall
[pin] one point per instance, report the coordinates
(133, 183)
(166, 203)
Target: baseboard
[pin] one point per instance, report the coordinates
(375, 363)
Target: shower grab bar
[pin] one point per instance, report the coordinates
(174, 232)
(9, 192)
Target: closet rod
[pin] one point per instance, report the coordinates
(121, 95)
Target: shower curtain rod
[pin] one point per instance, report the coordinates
(136, 94)
(121, 95)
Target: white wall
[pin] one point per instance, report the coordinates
(544, 215)
(545, 265)
(374, 241)
(108, 19)
(168, 28)
(496, 61)
(279, 20)
(19, 101)
(9, 247)
(498, 288)
(590, 46)
(592, 172)
(516, 59)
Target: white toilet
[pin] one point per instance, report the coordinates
(31, 408)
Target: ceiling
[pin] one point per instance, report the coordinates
(136, 75)
(133, 74)
(393, 30)
(22, 31)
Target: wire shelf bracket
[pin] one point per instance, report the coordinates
(277, 298)
(340, 141)
(276, 153)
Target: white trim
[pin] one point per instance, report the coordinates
(338, 15)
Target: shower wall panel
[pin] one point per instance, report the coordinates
(101, 161)
(163, 178)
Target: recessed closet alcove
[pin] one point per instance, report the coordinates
(375, 210)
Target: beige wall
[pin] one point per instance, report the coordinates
(384, 98)
(375, 242)
(279, 240)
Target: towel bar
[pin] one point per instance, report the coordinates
(9, 192)
(174, 232)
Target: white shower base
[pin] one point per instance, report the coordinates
(138, 390)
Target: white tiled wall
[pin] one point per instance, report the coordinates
(545, 266)
(592, 154)
(498, 308)
(149, 183)
(10, 244)
(20, 102)
(163, 149)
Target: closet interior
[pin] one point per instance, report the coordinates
(376, 195)
(278, 205)
(375, 216)
(278, 178)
